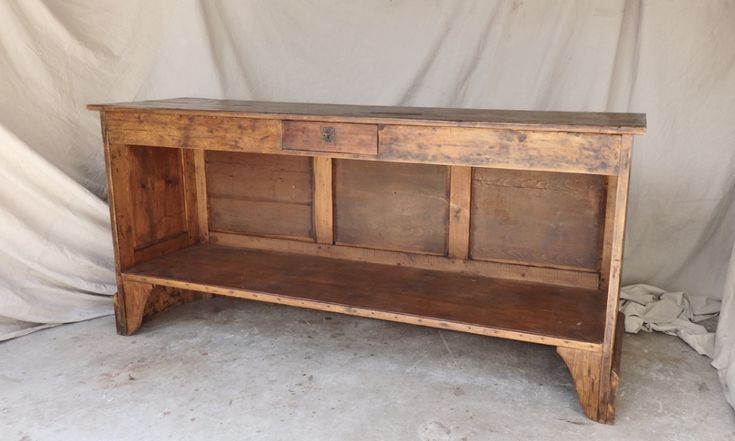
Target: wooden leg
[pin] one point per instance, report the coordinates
(138, 301)
(130, 306)
(586, 370)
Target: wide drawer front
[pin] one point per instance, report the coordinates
(314, 136)
(502, 148)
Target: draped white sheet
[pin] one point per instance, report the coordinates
(674, 60)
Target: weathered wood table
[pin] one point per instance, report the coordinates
(501, 223)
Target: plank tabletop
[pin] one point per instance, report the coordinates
(598, 122)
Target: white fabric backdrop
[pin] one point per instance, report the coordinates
(674, 60)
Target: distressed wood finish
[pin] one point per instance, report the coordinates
(569, 317)
(583, 122)
(376, 204)
(195, 131)
(585, 369)
(323, 213)
(510, 149)
(541, 218)
(264, 195)
(499, 223)
(551, 276)
(459, 211)
(613, 289)
(342, 138)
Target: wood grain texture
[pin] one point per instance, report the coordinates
(323, 200)
(194, 131)
(460, 188)
(607, 234)
(121, 205)
(615, 274)
(543, 314)
(537, 218)
(443, 227)
(347, 138)
(615, 373)
(435, 116)
(390, 206)
(259, 194)
(202, 205)
(156, 186)
(550, 276)
(145, 300)
(585, 369)
(527, 150)
(191, 201)
(135, 298)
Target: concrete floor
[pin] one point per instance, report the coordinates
(224, 369)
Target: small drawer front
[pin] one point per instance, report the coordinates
(330, 137)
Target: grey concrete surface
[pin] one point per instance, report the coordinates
(224, 369)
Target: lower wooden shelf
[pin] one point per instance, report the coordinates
(538, 313)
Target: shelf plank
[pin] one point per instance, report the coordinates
(545, 314)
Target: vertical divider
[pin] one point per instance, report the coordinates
(323, 200)
(200, 178)
(460, 188)
(191, 199)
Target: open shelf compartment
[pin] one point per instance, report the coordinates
(532, 312)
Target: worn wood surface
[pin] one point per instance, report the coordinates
(200, 184)
(443, 221)
(345, 138)
(144, 300)
(194, 131)
(323, 213)
(390, 206)
(121, 205)
(460, 187)
(544, 314)
(551, 276)
(545, 151)
(537, 218)
(585, 369)
(135, 298)
(434, 116)
(615, 372)
(607, 234)
(156, 188)
(615, 274)
(266, 195)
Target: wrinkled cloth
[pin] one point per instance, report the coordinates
(649, 308)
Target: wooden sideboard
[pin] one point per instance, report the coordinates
(501, 223)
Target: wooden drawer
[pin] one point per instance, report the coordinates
(193, 131)
(330, 137)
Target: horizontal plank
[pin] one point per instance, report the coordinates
(529, 150)
(594, 122)
(551, 315)
(194, 131)
(270, 195)
(551, 276)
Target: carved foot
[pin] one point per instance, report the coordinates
(139, 301)
(586, 370)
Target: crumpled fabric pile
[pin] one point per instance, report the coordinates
(649, 308)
